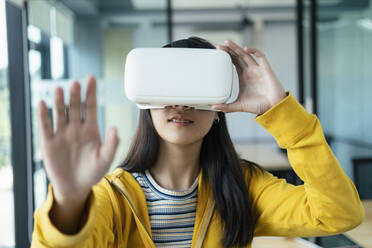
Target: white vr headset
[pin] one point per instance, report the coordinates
(195, 77)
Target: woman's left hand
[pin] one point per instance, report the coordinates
(259, 88)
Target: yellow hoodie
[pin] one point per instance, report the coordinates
(328, 202)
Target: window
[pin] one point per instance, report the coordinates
(6, 173)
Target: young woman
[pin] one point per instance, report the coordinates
(182, 183)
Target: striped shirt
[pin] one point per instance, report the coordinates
(172, 213)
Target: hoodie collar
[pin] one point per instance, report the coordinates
(133, 193)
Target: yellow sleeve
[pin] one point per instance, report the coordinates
(96, 232)
(328, 202)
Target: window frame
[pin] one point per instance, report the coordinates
(20, 118)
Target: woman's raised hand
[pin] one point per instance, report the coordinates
(74, 157)
(259, 88)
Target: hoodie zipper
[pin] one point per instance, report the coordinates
(134, 211)
(205, 224)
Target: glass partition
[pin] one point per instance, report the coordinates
(344, 78)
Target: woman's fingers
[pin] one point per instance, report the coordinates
(238, 64)
(239, 60)
(91, 101)
(248, 59)
(74, 110)
(259, 55)
(45, 124)
(108, 148)
(74, 113)
(59, 109)
(228, 107)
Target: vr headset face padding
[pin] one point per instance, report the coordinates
(195, 77)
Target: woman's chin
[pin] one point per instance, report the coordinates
(182, 140)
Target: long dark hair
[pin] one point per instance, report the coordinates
(221, 165)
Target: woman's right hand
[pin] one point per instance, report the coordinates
(74, 157)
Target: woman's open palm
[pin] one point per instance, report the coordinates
(74, 157)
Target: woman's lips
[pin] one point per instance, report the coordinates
(181, 123)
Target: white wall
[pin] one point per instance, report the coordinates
(119, 111)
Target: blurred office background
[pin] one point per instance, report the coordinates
(320, 50)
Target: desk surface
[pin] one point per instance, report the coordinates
(362, 234)
(281, 242)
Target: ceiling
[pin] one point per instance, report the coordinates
(196, 4)
(202, 11)
(107, 7)
(96, 7)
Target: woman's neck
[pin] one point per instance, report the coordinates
(177, 166)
